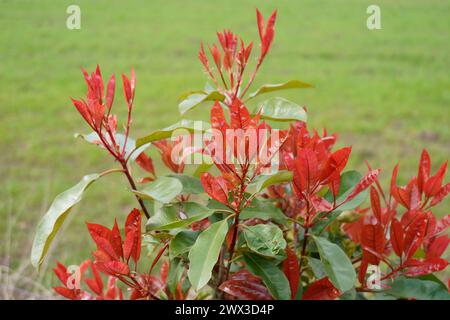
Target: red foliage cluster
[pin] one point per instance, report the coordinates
(398, 230)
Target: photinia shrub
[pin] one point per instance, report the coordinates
(255, 204)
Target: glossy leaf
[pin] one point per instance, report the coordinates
(205, 252)
(272, 276)
(291, 270)
(193, 100)
(182, 242)
(263, 181)
(321, 289)
(336, 264)
(185, 126)
(177, 216)
(55, 216)
(280, 109)
(245, 286)
(162, 189)
(292, 84)
(407, 288)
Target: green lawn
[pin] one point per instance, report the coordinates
(386, 92)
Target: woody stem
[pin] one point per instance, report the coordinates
(133, 186)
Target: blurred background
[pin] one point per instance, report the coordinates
(386, 92)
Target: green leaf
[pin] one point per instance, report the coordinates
(336, 264)
(196, 98)
(191, 185)
(265, 210)
(270, 273)
(181, 127)
(265, 239)
(405, 288)
(317, 267)
(280, 109)
(182, 242)
(292, 84)
(130, 150)
(263, 181)
(55, 216)
(174, 275)
(177, 216)
(205, 252)
(162, 189)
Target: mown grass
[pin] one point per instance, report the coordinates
(385, 92)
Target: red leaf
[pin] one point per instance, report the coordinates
(397, 236)
(102, 237)
(434, 183)
(243, 285)
(291, 270)
(215, 187)
(116, 240)
(305, 171)
(438, 246)
(83, 110)
(424, 170)
(414, 234)
(394, 180)
(110, 90)
(61, 272)
(132, 245)
(126, 88)
(114, 268)
(363, 184)
(443, 192)
(363, 271)
(373, 242)
(375, 203)
(67, 293)
(335, 164)
(260, 21)
(145, 163)
(239, 116)
(95, 283)
(430, 265)
(321, 289)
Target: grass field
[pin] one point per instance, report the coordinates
(386, 92)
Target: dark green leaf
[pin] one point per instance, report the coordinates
(205, 252)
(270, 273)
(182, 242)
(336, 264)
(55, 216)
(174, 275)
(405, 288)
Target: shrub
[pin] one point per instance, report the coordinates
(261, 208)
